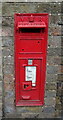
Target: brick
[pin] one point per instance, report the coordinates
(28, 109)
(54, 60)
(50, 94)
(61, 7)
(7, 31)
(0, 21)
(50, 101)
(53, 69)
(14, 1)
(55, 8)
(8, 59)
(62, 113)
(51, 78)
(55, 51)
(8, 88)
(0, 118)
(58, 106)
(0, 78)
(8, 78)
(62, 30)
(41, 8)
(34, 109)
(0, 88)
(7, 41)
(17, 115)
(61, 69)
(0, 56)
(30, 115)
(0, 9)
(54, 18)
(8, 21)
(60, 77)
(17, 8)
(54, 41)
(54, 30)
(48, 109)
(57, 114)
(46, 115)
(61, 41)
(9, 98)
(7, 51)
(7, 70)
(9, 109)
(0, 30)
(51, 86)
(36, 0)
(0, 109)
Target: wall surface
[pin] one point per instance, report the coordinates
(54, 73)
(0, 60)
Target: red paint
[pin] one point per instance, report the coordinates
(31, 32)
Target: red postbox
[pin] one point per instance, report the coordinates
(31, 32)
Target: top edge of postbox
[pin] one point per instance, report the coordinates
(28, 14)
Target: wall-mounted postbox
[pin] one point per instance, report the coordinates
(31, 32)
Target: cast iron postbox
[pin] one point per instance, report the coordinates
(31, 32)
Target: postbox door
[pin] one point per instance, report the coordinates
(30, 79)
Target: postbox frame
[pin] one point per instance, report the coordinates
(42, 58)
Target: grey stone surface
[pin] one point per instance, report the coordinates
(55, 8)
(55, 51)
(0, 9)
(50, 94)
(7, 70)
(7, 31)
(53, 60)
(55, 18)
(0, 30)
(17, 8)
(51, 78)
(50, 101)
(30, 115)
(8, 51)
(60, 77)
(50, 86)
(28, 109)
(0, 62)
(7, 41)
(13, 0)
(54, 42)
(0, 118)
(53, 69)
(47, 112)
(55, 30)
(0, 109)
(8, 21)
(37, 8)
(30, 1)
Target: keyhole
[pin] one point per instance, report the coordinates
(38, 42)
(22, 49)
(25, 86)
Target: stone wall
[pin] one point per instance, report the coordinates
(54, 73)
(0, 60)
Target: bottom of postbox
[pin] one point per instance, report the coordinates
(35, 103)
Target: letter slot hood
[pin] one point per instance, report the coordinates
(31, 25)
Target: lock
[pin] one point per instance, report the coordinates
(27, 85)
(30, 57)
